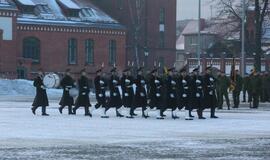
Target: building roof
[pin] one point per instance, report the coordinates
(49, 12)
(5, 5)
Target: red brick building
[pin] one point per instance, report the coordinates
(57, 34)
(151, 28)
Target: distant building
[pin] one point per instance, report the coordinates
(151, 28)
(57, 34)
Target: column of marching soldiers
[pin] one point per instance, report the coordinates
(173, 91)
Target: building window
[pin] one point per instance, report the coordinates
(161, 39)
(161, 62)
(120, 4)
(112, 52)
(162, 16)
(138, 4)
(31, 49)
(21, 73)
(89, 50)
(72, 51)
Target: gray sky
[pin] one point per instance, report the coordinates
(188, 9)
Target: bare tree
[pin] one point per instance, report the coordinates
(231, 10)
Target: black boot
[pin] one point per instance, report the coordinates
(200, 114)
(74, 110)
(34, 110)
(87, 113)
(132, 112)
(61, 109)
(44, 111)
(70, 110)
(213, 113)
(118, 114)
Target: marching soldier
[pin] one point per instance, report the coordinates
(67, 83)
(155, 93)
(237, 82)
(100, 87)
(171, 92)
(196, 97)
(255, 84)
(184, 93)
(115, 97)
(41, 99)
(223, 83)
(127, 91)
(83, 97)
(210, 99)
(140, 97)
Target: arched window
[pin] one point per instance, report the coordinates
(31, 48)
(89, 50)
(72, 51)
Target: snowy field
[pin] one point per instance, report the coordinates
(241, 134)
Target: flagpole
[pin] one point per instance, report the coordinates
(243, 39)
(199, 35)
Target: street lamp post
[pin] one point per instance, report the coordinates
(243, 39)
(199, 34)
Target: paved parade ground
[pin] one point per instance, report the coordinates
(241, 134)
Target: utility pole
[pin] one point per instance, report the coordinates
(243, 39)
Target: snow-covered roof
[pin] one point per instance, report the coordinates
(4, 4)
(26, 2)
(50, 13)
(69, 4)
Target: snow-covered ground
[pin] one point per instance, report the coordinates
(241, 134)
(237, 134)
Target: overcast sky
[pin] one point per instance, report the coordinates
(188, 9)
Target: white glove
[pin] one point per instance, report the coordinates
(43, 87)
(101, 82)
(173, 82)
(100, 95)
(198, 95)
(184, 95)
(185, 87)
(67, 89)
(142, 82)
(184, 81)
(158, 95)
(200, 87)
(114, 81)
(114, 94)
(172, 95)
(126, 94)
(127, 81)
(83, 93)
(142, 94)
(85, 87)
(156, 81)
(211, 93)
(198, 81)
(211, 79)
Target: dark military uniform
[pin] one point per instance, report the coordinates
(67, 100)
(266, 89)
(83, 97)
(236, 92)
(100, 88)
(255, 84)
(210, 99)
(115, 100)
(222, 86)
(128, 93)
(171, 94)
(196, 94)
(140, 97)
(245, 87)
(41, 98)
(155, 94)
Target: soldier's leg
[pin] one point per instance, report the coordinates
(226, 95)
(44, 111)
(61, 109)
(213, 109)
(75, 109)
(86, 111)
(117, 109)
(255, 101)
(34, 108)
(234, 99)
(244, 95)
(238, 99)
(70, 109)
